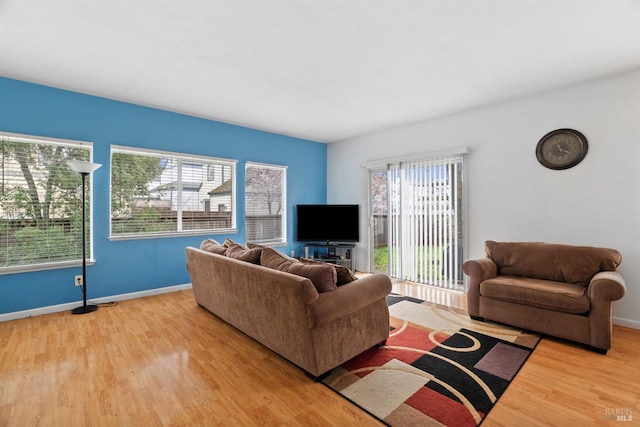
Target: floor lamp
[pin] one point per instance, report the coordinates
(84, 169)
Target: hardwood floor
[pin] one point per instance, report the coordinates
(163, 360)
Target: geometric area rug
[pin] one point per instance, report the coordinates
(438, 367)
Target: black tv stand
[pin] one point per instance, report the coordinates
(331, 252)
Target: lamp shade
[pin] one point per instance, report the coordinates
(82, 167)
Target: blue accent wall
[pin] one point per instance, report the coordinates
(137, 265)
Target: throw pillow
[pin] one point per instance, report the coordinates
(243, 254)
(228, 242)
(273, 259)
(322, 276)
(343, 274)
(212, 246)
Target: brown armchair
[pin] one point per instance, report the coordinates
(559, 290)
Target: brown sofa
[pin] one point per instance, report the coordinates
(559, 290)
(317, 331)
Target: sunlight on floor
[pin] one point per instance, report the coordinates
(430, 293)
(427, 293)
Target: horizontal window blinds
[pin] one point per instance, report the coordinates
(41, 202)
(156, 193)
(265, 202)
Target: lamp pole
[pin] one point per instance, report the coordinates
(84, 169)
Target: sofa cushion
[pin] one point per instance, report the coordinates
(550, 261)
(210, 245)
(243, 254)
(556, 296)
(322, 276)
(343, 274)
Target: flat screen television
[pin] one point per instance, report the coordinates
(328, 223)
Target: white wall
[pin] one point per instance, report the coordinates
(511, 197)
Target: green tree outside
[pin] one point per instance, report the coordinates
(130, 176)
(40, 208)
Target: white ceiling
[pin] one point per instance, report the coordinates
(324, 70)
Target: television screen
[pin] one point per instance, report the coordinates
(328, 223)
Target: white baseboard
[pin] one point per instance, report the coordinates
(626, 322)
(71, 305)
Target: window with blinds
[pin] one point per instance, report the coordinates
(156, 193)
(265, 203)
(41, 203)
(425, 221)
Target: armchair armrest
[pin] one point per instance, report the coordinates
(347, 299)
(607, 286)
(604, 287)
(480, 269)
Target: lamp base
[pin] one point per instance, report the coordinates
(84, 309)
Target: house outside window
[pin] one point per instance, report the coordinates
(157, 193)
(41, 203)
(265, 203)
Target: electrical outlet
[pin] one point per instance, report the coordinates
(77, 280)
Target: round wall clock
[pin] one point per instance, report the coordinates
(562, 149)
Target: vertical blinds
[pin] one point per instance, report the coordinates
(425, 221)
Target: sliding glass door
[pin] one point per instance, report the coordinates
(379, 208)
(417, 220)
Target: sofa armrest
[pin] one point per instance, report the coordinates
(348, 299)
(607, 286)
(478, 270)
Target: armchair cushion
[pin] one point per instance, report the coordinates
(556, 296)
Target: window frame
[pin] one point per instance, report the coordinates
(284, 238)
(205, 161)
(53, 265)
